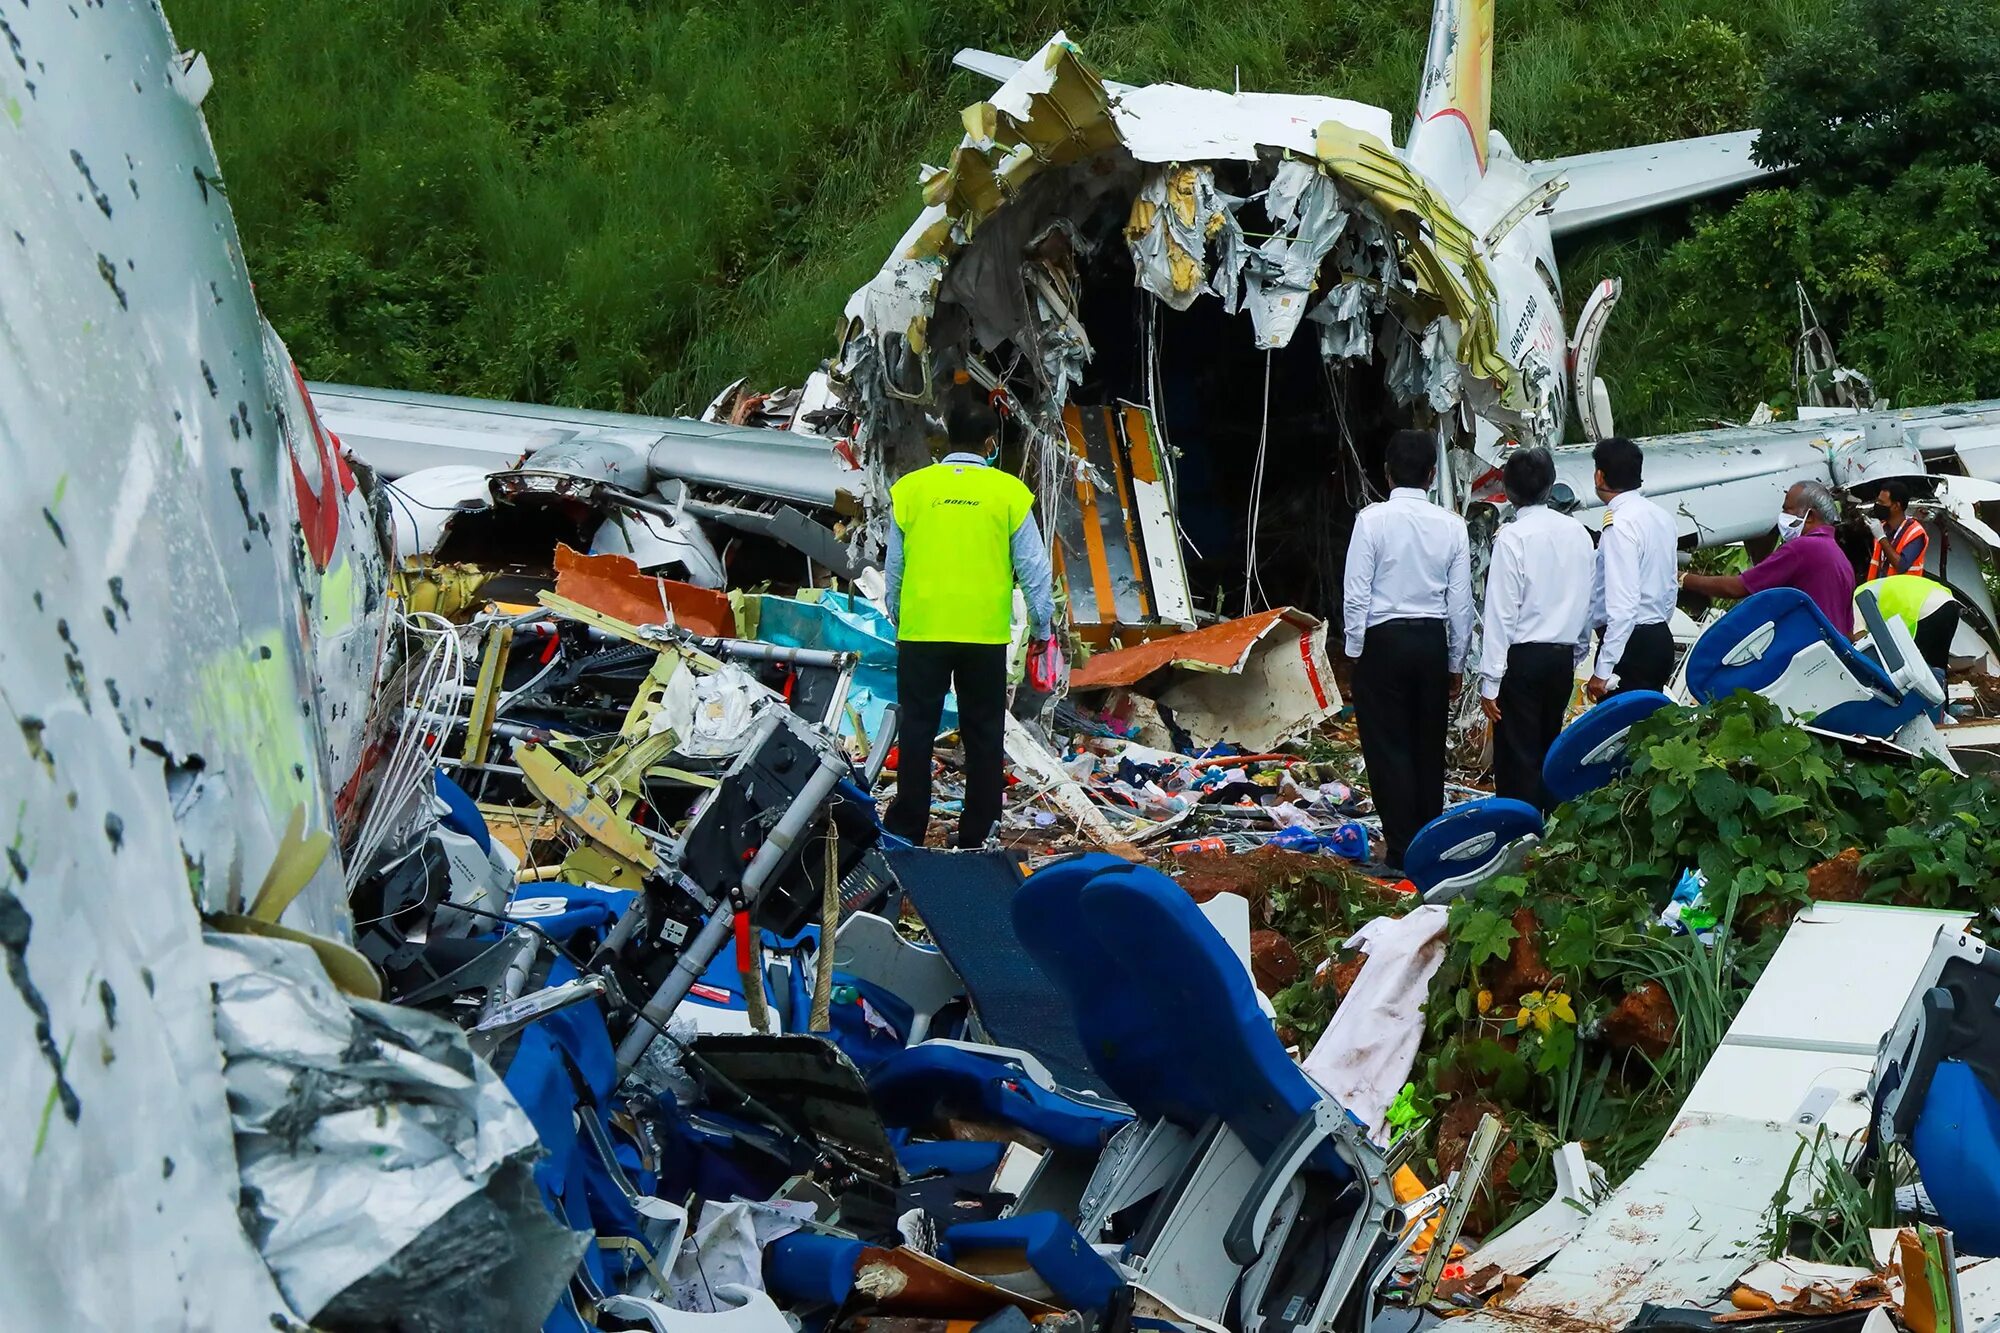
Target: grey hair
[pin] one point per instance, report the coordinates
(1819, 498)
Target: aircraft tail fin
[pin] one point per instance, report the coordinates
(1455, 98)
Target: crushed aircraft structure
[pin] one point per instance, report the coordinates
(443, 895)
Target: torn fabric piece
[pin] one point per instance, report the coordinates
(360, 1129)
(723, 1261)
(1365, 1055)
(1304, 207)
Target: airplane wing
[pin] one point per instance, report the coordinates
(996, 67)
(398, 433)
(1001, 68)
(1625, 182)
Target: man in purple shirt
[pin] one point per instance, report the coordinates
(1808, 558)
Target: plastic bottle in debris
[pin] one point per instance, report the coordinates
(1688, 911)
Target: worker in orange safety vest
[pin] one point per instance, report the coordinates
(1903, 543)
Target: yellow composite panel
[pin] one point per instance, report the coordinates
(1099, 566)
(1123, 484)
(1442, 249)
(1066, 122)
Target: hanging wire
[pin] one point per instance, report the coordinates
(431, 689)
(1251, 577)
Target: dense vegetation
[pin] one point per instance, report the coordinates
(1564, 1004)
(623, 204)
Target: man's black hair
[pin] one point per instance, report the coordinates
(969, 420)
(1898, 490)
(1621, 462)
(1411, 458)
(1527, 476)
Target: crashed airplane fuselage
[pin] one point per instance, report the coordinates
(196, 616)
(1084, 254)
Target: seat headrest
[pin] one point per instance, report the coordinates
(1590, 751)
(1466, 837)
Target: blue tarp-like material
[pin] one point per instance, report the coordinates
(841, 623)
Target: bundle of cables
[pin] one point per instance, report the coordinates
(434, 677)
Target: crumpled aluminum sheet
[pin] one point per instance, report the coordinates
(1426, 367)
(360, 1127)
(1176, 214)
(1304, 206)
(1346, 320)
(1061, 344)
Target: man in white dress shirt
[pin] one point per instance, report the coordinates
(1636, 577)
(1406, 616)
(1538, 590)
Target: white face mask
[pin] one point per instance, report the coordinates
(1790, 525)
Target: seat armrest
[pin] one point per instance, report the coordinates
(1326, 1120)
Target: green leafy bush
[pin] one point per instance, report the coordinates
(1752, 802)
(1700, 79)
(1888, 111)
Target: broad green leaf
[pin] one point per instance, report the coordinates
(1486, 935)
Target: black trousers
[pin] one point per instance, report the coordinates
(1533, 697)
(1648, 660)
(925, 673)
(1934, 635)
(1402, 691)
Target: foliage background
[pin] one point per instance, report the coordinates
(625, 204)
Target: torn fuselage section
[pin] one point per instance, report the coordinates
(1084, 258)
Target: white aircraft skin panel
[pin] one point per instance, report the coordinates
(175, 633)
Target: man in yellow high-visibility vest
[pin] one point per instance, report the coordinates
(962, 536)
(1926, 606)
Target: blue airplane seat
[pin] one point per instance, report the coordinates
(1121, 1044)
(936, 1078)
(1050, 1246)
(461, 814)
(1471, 843)
(1957, 1146)
(954, 1157)
(1167, 977)
(1590, 752)
(1936, 1087)
(1777, 643)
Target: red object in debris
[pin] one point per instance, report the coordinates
(743, 959)
(1405, 886)
(894, 763)
(616, 586)
(1045, 666)
(1453, 1273)
(1198, 846)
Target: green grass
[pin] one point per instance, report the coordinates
(627, 205)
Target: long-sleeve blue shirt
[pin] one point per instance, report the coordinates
(1031, 567)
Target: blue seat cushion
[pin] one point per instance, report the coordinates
(815, 1269)
(1956, 1142)
(1590, 751)
(1184, 1000)
(1767, 631)
(931, 1081)
(1077, 1274)
(954, 1157)
(1466, 837)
